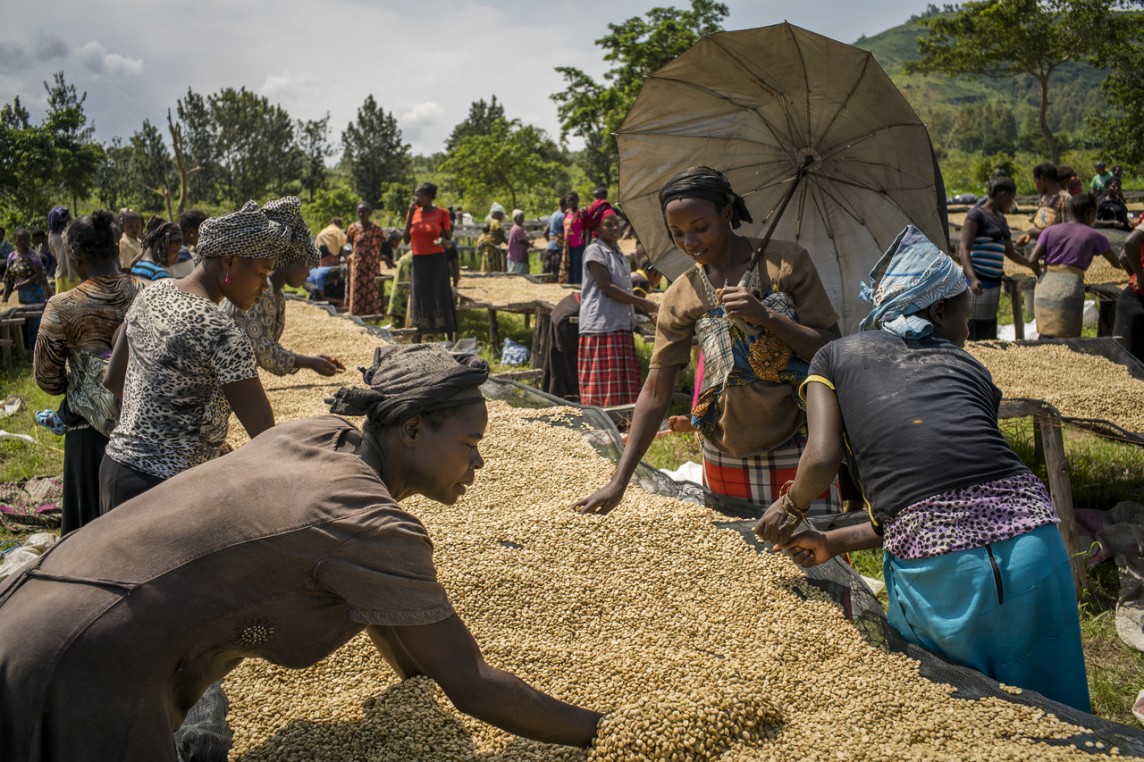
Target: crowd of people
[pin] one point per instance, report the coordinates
(791, 415)
(1062, 239)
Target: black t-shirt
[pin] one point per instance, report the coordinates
(920, 417)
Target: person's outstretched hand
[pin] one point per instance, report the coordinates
(807, 548)
(776, 525)
(602, 500)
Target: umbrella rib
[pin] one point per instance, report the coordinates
(843, 206)
(805, 80)
(719, 96)
(792, 128)
(841, 177)
(868, 136)
(849, 95)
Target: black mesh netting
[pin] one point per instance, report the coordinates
(835, 578)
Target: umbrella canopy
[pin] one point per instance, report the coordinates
(755, 104)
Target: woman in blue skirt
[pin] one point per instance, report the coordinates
(975, 567)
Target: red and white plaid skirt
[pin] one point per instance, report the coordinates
(758, 478)
(608, 369)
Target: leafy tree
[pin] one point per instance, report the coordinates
(27, 164)
(478, 122)
(1123, 130)
(512, 159)
(637, 47)
(113, 182)
(199, 140)
(254, 144)
(1008, 38)
(151, 167)
(337, 201)
(313, 141)
(77, 154)
(373, 151)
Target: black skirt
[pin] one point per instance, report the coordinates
(431, 295)
(83, 453)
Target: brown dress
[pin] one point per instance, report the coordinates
(282, 550)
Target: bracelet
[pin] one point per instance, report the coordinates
(792, 510)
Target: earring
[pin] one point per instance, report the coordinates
(227, 279)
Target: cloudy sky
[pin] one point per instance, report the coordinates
(423, 62)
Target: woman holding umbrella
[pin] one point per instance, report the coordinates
(756, 342)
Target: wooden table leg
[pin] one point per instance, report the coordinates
(1061, 490)
(1015, 299)
(494, 331)
(540, 338)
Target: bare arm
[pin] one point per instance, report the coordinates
(248, 400)
(117, 364)
(1130, 258)
(447, 653)
(1035, 256)
(968, 236)
(609, 289)
(651, 406)
(811, 547)
(817, 467)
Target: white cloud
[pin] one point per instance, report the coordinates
(96, 59)
(422, 114)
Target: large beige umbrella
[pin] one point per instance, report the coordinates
(779, 109)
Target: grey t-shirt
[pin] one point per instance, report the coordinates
(600, 313)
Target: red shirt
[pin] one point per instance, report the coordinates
(427, 227)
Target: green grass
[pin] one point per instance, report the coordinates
(20, 460)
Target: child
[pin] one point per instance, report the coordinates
(25, 276)
(130, 246)
(553, 252)
(40, 245)
(161, 246)
(189, 222)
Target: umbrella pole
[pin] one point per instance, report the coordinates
(778, 215)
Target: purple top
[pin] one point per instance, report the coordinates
(518, 244)
(1073, 244)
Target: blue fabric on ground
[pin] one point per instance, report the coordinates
(949, 605)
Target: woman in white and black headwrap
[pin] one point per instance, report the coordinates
(182, 365)
(265, 321)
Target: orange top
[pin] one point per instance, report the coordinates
(427, 228)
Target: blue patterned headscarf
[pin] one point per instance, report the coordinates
(910, 276)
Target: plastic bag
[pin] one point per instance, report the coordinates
(514, 353)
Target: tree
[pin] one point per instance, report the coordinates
(77, 155)
(636, 48)
(113, 181)
(373, 151)
(512, 159)
(27, 164)
(1123, 129)
(199, 140)
(314, 143)
(478, 122)
(254, 145)
(1008, 38)
(152, 168)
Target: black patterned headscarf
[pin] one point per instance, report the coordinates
(287, 211)
(710, 185)
(409, 380)
(246, 233)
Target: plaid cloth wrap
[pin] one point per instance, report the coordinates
(758, 478)
(732, 357)
(608, 369)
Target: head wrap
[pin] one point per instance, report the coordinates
(495, 208)
(910, 276)
(410, 380)
(710, 185)
(245, 233)
(517, 213)
(287, 211)
(58, 218)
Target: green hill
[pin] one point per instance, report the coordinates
(965, 112)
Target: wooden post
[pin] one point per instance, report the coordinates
(1015, 303)
(540, 337)
(1061, 490)
(494, 331)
